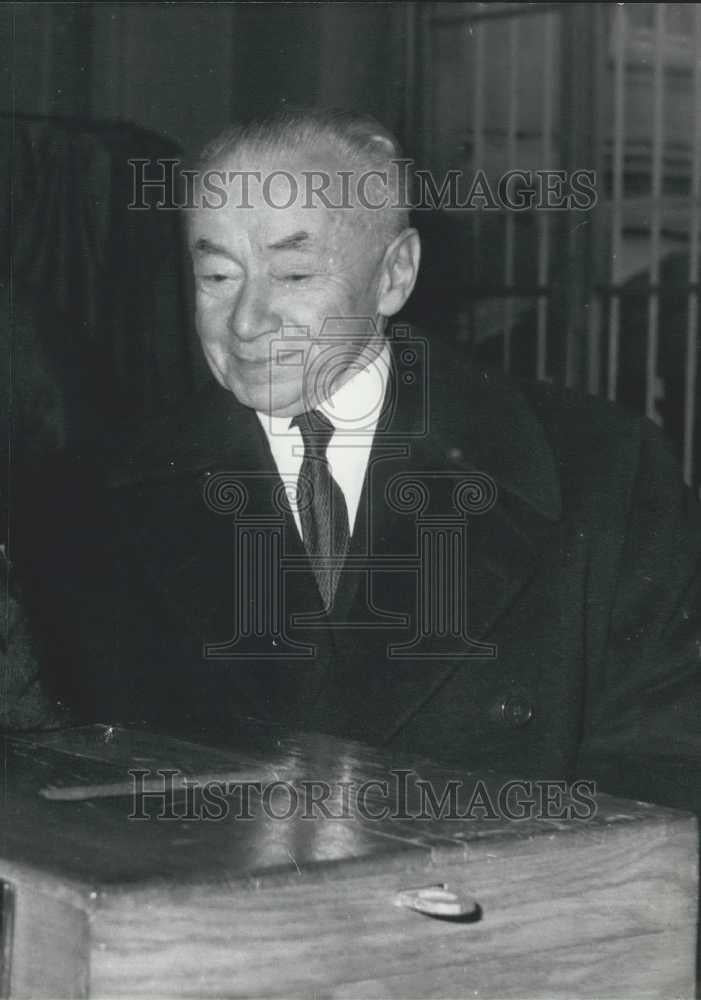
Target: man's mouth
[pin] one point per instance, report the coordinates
(278, 357)
(250, 362)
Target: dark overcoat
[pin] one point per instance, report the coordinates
(522, 591)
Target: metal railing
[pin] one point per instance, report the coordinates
(606, 299)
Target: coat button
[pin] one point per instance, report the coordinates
(516, 710)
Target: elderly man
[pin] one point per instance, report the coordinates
(350, 531)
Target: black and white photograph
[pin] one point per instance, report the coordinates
(350, 496)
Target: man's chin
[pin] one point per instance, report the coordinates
(277, 400)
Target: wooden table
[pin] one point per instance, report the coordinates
(96, 903)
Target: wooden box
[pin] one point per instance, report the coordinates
(289, 865)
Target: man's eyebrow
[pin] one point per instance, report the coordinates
(295, 241)
(203, 245)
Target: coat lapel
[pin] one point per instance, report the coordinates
(464, 424)
(477, 430)
(213, 472)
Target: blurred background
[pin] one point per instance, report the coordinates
(97, 331)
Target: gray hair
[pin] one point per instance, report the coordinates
(359, 140)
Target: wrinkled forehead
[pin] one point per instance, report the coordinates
(278, 193)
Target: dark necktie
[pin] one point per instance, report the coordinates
(322, 506)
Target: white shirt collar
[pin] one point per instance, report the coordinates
(354, 409)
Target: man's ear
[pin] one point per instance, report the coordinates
(398, 271)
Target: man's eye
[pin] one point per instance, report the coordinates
(296, 277)
(218, 284)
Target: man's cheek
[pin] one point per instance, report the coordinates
(215, 360)
(212, 329)
(212, 311)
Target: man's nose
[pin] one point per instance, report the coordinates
(253, 314)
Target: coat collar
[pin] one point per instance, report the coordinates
(471, 416)
(212, 429)
(483, 421)
(474, 421)
(449, 417)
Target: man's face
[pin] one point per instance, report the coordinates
(286, 298)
